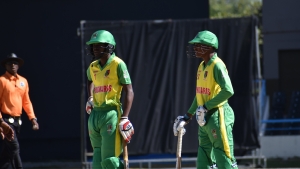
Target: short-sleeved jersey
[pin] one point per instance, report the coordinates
(108, 81)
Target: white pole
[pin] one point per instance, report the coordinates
(83, 98)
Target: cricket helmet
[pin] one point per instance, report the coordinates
(206, 38)
(102, 36)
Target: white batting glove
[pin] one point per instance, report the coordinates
(200, 115)
(89, 105)
(179, 123)
(126, 129)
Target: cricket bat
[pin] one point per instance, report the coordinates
(125, 155)
(179, 147)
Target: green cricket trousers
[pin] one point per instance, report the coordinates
(106, 140)
(216, 140)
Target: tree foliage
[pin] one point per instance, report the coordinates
(237, 8)
(234, 8)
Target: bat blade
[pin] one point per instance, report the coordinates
(179, 149)
(125, 155)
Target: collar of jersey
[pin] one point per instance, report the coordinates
(210, 60)
(11, 77)
(108, 61)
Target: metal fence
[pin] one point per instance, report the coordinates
(257, 160)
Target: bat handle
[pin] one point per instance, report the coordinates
(125, 155)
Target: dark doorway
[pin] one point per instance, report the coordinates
(289, 72)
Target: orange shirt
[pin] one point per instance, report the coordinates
(14, 95)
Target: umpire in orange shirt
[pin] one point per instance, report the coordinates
(13, 97)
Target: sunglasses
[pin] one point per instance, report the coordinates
(203, 47)
(12, 62)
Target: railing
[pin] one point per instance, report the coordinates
(281, 121)
(88, 165)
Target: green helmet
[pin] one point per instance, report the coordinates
(206, 38)
(102, 36)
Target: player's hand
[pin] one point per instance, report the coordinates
(7, 132)
(89, 105)
(200, 115)
(35, 125)
(179, 123)
(126, 129)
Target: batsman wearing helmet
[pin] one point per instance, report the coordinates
(213, 113)
(108, 121)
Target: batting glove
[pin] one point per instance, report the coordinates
(126, 129)
(89, 105)
(179, 123)
(200, 115)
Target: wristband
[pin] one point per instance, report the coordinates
(124, 117)
(187, 118)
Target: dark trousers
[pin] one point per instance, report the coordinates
(10, 152)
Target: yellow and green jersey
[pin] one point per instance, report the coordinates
(108, 81)
(213, 86)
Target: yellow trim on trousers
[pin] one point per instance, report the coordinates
(118, 143)
(224, 132)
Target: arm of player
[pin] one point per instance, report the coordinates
(125, 126)
(90, 88)
(90, 102)
(129, 95)
(222, 78)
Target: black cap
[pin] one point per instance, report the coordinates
(11, 57)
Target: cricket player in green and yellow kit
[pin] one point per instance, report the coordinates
(213, 113)
(108, 121)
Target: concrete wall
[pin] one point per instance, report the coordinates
(280, 146)
(281, 30)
